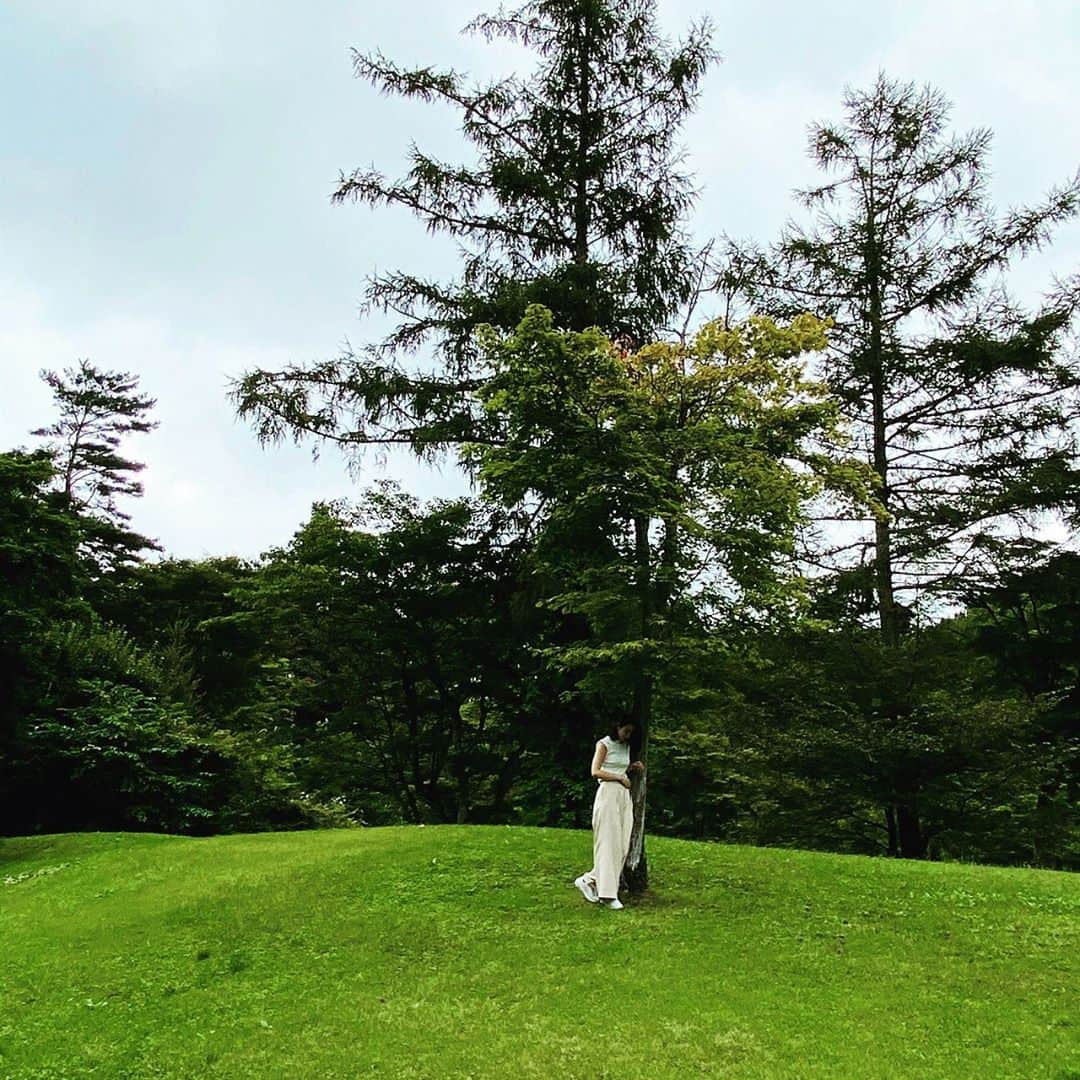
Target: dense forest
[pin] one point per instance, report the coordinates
(779, 502)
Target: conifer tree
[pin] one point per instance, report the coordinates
(98, 410)
(575, 202)
(964, 401)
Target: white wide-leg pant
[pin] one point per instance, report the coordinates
(612, 820)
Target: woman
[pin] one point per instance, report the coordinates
(612, 818)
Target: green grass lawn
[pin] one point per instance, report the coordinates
(465, 951)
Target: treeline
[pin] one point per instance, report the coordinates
(740, 531)
(402, 662)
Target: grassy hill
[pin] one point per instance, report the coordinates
(466, 952)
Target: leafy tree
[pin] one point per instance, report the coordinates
(97, 729)
(393, 657)
(38, 578)
(110, 742)
(844, 725)
(688, 465)
(1026, 625)
(184, 610)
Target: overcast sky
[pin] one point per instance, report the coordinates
(166, 172)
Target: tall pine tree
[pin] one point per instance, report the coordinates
(576, 203)
(964, 401)
(97, 411)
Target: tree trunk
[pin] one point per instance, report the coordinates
(913, 843)
(876, 363)
(905, 834)
(504, 782)
(894, 839)
(582, 207)
(412, 711)
(636, 869)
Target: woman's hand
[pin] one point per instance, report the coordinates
(636, 766)
(625, 781)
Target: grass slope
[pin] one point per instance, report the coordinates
(465, 952)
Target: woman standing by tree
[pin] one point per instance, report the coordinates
(613, 816)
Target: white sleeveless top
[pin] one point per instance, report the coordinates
(618, 757)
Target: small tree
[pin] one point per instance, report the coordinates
(98, 409)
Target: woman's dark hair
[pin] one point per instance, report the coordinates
(613, 729)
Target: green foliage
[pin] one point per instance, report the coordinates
(119, 759)
(815, 738)
(575, 201)
(392, 656)
(111, 742)
(38, 577)
(182, 610)
(701, 441)
(964, 398)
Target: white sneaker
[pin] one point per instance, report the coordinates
(614, 904)
(587, 889)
